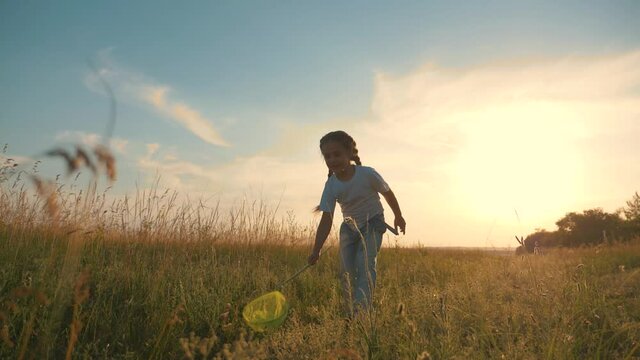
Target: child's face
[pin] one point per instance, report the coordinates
(336, 156)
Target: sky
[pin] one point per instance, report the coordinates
(488, 119)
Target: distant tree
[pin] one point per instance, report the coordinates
(544, 239)
(632, 211)
(589, 228)
(631, 226)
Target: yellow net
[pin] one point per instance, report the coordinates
(266, 312)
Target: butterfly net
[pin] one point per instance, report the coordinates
(266, 312)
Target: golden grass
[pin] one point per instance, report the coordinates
(148, 277)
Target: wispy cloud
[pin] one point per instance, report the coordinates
(138, 87)
(182, 113)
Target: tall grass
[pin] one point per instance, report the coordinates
(150, 277)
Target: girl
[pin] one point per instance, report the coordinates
(355, 188)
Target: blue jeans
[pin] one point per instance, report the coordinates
(358, 254)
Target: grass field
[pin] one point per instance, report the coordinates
(143, 278)
(91, 297)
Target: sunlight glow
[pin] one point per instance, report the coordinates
(523, 155)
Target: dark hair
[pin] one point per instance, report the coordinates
(345, 140)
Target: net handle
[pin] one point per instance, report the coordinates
(393, 230)
(283, 283)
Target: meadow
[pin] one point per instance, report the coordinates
(150, 278)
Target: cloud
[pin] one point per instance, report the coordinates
(170, 157)
(152, 149)
(269, 176)
(461, 148)
(469, 145)
(137, 87)
(119, 144)
(183, 114)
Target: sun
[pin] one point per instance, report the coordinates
(519, 155)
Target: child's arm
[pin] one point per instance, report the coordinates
(324, 227)
(393, 203)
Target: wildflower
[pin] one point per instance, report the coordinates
(224, 317)
(568, 338)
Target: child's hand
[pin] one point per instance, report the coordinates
(400, 223)
(313, 258)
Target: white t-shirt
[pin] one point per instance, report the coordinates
(358, 197)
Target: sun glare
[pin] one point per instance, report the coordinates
(522, 155)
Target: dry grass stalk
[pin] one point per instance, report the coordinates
(25, 337)
(103, 155)
(46, 190)
(73, 164)
(14, 199)
(174, 319)
(83, 158)
(4, 331)
(81, 294)
(107, 160)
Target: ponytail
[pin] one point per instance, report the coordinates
(355, 156)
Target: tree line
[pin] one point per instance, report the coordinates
(591, 227)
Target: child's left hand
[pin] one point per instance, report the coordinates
(400, 223)
(313, 258)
